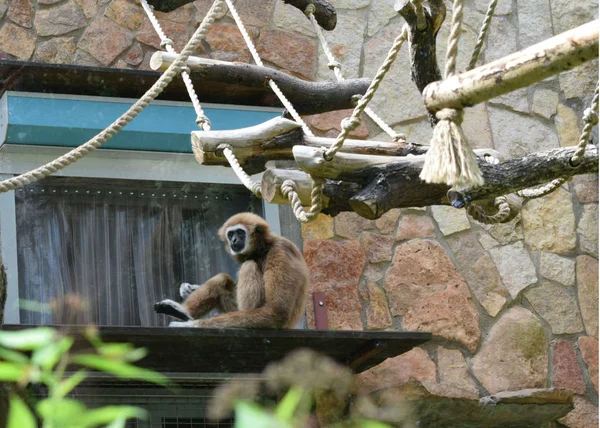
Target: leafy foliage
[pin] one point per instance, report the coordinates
(41, 356)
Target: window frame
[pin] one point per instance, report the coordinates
(105, 163)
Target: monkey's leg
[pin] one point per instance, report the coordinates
(264, 317)
(170, 307)
(216, 293)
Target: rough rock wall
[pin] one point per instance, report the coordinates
(512, 306)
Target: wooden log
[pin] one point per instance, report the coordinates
(307, 97)
(398, 185)
(356, 167)
(274, 139)
(336, 194)
(324, 14)
(422, 42)
(538, 62)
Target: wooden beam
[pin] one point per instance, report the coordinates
(336, 194)
(424, 67)
(538, 62)
(356, 167)
(307, 97)
(398, 185)
(274, 139)
(324, 14)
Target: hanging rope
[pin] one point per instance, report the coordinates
(201, 120)
(479, 213)
(483, 32)
(288, 189)
(590, 119)
(286, 103)
(450, 158)
(251, 185)
(352, 122)
(336, 67)
(97, 141)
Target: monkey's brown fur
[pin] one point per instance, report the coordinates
(272, 282)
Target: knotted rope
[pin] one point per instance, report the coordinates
(450, 158)
(336, 67)
(288, 189)
(105, 135)
(483, 32)
(352, 122)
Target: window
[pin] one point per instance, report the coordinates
(119, 245)
(121, 228)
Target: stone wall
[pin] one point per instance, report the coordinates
(511, 306)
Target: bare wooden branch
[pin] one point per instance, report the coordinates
(422, 43)
(538, 62)
(274, 139)
(336, 194)
(324, 14)
(398, 185)
(357, 167)
(307, 97)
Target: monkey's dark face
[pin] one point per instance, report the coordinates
(237, 239)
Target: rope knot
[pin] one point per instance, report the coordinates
(334, 64)
(590, 116)
(203, 121)
(166, 42)
(185, 69)
(350, 123)
(310, 9)
(451, 114)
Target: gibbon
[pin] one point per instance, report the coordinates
(272, 284)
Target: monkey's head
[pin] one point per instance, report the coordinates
(245, 235)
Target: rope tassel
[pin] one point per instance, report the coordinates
(450, 158)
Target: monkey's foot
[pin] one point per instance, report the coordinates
(186, 289)
(169, 307)
(181, 324)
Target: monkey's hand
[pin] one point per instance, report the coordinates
(186, 289)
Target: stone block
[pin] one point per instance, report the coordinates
(514, 266)
(330, 123)
(227, 43)
(135, 54)
(589, 351)
(505, 233)
(412, 365)
(105, 40)
(557, 268)
(292, 52)
(125, 13)
(587, 229)
(453, 370)
(549, 222)
(320, 228)
(380, 14)
(60, 19)
(586, 187)
(585, 414)
(567, 373)
(289, 17)
(535, 22)
(555, 305)
(576, 83)
(415, 226)
(587, 290)
(544, 102)
(335, 269)
(17, 41)
(58, 50)
(377, 247)
(523, 359)
(350, 225)
(567, 125)
(378, 312)
(450, 220)
(21, 12)
(387, 222)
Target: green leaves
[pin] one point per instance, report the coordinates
(27, 340)
(19, 416)
(120, 369)
(48, 356)
(68, 413)
(249, 414)
(11, 372)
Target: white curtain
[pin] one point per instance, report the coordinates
(120, 246)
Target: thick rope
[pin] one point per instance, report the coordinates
(201, 120)
(590, 117)
(286, 103)
(251, 185)
(352, 122)
(97, 141)
(478, 212)
(483, 32)
(418, 7)
(450, 159)
(336, 67)
(288, 189)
